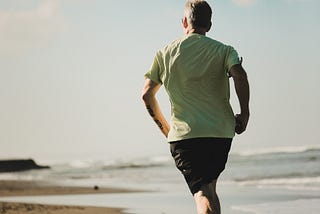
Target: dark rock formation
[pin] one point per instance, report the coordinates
(19, 165)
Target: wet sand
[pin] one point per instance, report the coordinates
(14, 208)
(32, 188)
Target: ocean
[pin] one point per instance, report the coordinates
(279, 180)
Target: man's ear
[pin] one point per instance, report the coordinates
(209, 27)
(185, 22)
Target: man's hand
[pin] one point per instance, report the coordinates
(241, 123)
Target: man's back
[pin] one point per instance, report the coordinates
(193, 70)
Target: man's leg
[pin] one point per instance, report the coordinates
(207, 200)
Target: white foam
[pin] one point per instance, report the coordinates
(304, 183)
(310, 206)
(81, 164)
(25, 176)
(8, 176)
(286, 149)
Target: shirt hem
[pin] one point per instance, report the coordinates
(170, 140)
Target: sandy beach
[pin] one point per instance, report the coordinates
(14, 208)
(32, 188)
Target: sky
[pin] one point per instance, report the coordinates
(71, 74)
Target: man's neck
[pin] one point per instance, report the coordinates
(198, 31)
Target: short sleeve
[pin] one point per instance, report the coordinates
(232, 58)
(154, 72)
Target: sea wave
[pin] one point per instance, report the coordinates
(162, 160)
(295, 183)
(118, 163)
(277, 150)
(291, 168)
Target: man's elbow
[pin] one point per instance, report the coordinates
(146, 96)
(238, 73)
(243, 77)
(149, 91)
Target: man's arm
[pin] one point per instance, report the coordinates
(149, 98)
(241, 85)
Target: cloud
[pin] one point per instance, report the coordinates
(244, 2)
(22, 30)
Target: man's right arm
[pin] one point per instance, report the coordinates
(241, 85)
(148, 95)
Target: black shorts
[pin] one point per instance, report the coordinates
(201, 160)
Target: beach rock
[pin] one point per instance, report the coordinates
(19, 165)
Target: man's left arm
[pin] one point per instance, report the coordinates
(241, 84)
(149, 98)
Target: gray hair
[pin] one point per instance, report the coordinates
(198, 13)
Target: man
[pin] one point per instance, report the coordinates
(195, 72)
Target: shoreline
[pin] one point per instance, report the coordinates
(12, 188)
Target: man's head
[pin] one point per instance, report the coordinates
(198, 15)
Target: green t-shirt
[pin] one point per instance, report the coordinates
(194, 71)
